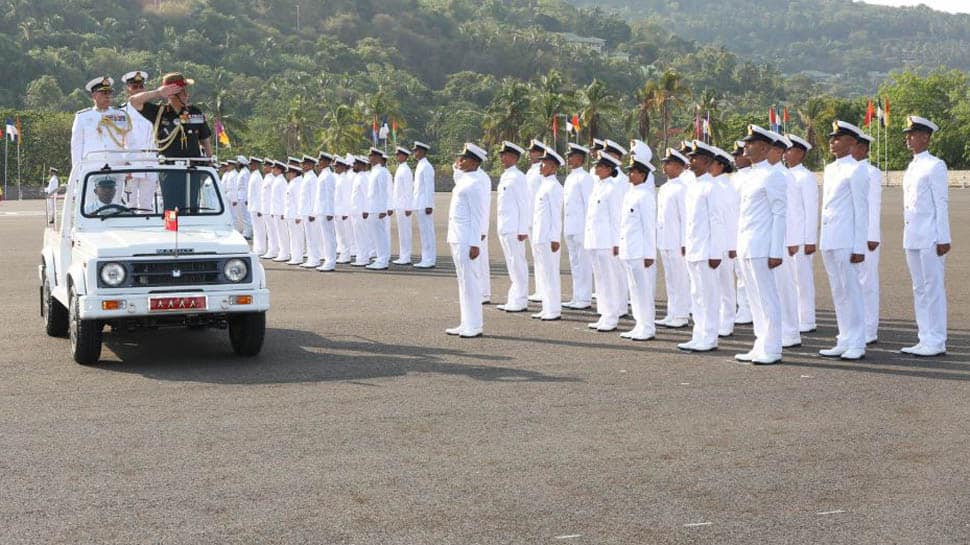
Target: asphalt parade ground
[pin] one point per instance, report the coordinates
(362, 423)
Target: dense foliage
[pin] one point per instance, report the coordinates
(290, 76)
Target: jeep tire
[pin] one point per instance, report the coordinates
(85, 334)
(54, 313)
(246, 332)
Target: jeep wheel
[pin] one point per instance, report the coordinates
(54, 313)
(85, 335)
(246, 332)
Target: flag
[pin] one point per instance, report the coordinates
(785, 119)
(394, 130)
(706, 126)
(11, 130)
(172, 220)
(576, 123)
(374, 134)
(569, 127)
(385, 131)
(870, 114)
(772, 119)
(886, 112)
(222, 135)
(881, 116)
(555, 124)
(697, 127)
(20, 132)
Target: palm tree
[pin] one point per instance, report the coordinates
(342, 128)
(595, 101)
(668, 92)
(506, 115)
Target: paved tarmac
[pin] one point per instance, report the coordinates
(362, 423)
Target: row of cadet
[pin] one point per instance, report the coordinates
(317, 212)
(736, 233)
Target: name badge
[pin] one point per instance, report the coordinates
(197, 119)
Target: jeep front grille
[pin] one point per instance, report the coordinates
(175, 273)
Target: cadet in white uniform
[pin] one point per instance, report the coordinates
(602, 240)
(141, 186)
(704, 249)
(513, 218)
(293, 211)
(729, 203)
(794, 220)
(578, 187)
(423, 205)
(323, 211)
(101, 127)
(807, 184)
(53, 183)
(266, 209)
(638, 247)
(228, 185)
(279, 206)
(344, 208)
(255, 205)
(241, 209)
(380, 208)
(309, 191)
(926, 236)
(671, 221)
(761, 245)
(743, 166)
(464, 236)
(547, 236)
(403, 196)
(533, 178)
(869, 274)
(358, 196)
(845, 223)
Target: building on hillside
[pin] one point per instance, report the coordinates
(587, 42)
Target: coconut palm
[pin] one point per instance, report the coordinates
(507, 113)
(595, 102)
(668, 93)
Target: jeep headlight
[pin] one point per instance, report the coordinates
(113, 274)
(235, 270)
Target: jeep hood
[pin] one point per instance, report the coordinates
(156, 241)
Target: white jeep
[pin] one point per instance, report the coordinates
(104, 263)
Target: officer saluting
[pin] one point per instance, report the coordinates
(101, 127)
(926, 236)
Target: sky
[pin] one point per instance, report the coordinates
(952, 6)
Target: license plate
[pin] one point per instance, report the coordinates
(169, 304)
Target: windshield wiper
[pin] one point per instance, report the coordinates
(195, 208)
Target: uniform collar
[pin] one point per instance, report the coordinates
(760, 165)
(847, 159)
(922, 155)
(513, 167)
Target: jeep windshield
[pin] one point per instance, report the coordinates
(106, 194)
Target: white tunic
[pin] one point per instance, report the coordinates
(925, 203)
(547, 212)
(423, 185)
(403, 194)
(794, 209)
(95, 130)
(465, 210)
(324, 199)
(638, 223)
(308, 193)
(513, 212)
(761, 217)
(728, 202)
(704, 230)
(142, 135)
(255, 195)
(845, 212)
(603, 216)
(578, 187)
(874, 200)
(808, 185)
(671, 214)
(291, 206)
(379, 190)
(278, 201)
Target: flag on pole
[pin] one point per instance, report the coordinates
(374, 134)
(706, 128)
(172, 220)
(881, 116)
(222, 135)
(385, 130)
(576, 123)
(394, 130)
(772, 119)
(785, 119)
(20, 132)
(555, 124)
(11, 130)
(870, 114)
(886, 112)
(697, 127)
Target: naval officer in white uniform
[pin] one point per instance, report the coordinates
(465, 237)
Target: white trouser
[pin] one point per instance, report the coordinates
(314, 239)
(141, 191)
(363, 237)
(547, 267)
(297, 239)
(283, 236)
(381, 236)
(929, 296)
(247, 220)
(484, 271)
(788, 296)
(429, 249)
(759, 281)
(643, 285)
(236, 210)
(51, 207)
(259, 235)
(581, 270)
(728, 308)
(403, 235)
(538, 279)
(805, 276)
(328, 239)
(345, 237)
(705, 301)
(272, 236)
(869, 278)
(514, 251)
(469, 293)
(850, 313)
(744, 308)
(610, 300)
(677, 283)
